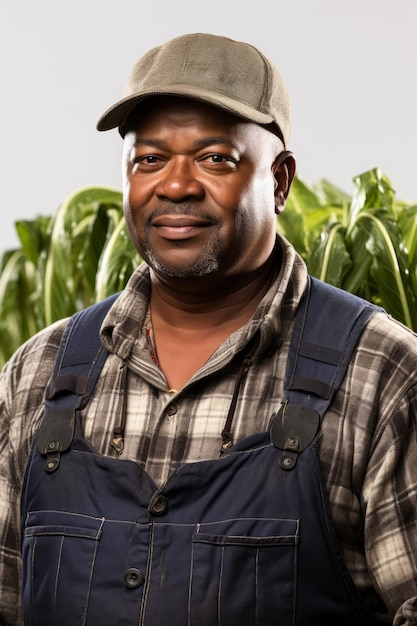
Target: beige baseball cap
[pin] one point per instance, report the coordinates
(229, 74)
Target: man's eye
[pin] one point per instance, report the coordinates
(146, 162)
(226, 162)
(147, 159)
(220, 158)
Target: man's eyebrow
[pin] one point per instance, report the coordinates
(156, 143)
(206, 141)
(209, 141)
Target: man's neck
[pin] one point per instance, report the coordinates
(189, 324)
(207, 302)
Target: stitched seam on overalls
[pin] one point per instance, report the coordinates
(148, 574)
(93, 562)
(57, 572)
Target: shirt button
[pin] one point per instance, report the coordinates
(133, 578)
(172, 409)
(160, 506)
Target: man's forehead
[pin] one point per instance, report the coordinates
(166, 105)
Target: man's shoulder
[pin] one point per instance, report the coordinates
(389, 349)
(396, 334)
(23, 382)
(35, 358)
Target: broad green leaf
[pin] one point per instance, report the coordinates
(118, 261)
(407, 222)
(372, 189)
(302, 216)
(330, 260)
(389, 269)
(356, 278)
(17, 318)
(33, 236)
(65, 286)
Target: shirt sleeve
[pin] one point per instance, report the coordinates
(10, 612)
(390, 502)
(22, 385)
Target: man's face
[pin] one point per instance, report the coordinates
(199, 189)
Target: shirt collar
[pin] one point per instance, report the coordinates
(122, 328)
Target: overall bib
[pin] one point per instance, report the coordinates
(242, 540)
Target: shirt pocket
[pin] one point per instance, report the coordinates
(243, 571)
(58, 557)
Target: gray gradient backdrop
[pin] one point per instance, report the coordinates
(349, 66)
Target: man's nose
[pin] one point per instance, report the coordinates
(178, 181)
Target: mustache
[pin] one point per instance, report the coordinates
(182, 208)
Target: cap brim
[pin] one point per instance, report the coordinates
(116, 115)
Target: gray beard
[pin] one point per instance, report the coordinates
(207, 264)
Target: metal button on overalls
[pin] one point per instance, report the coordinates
(160, 506)
(133, 578)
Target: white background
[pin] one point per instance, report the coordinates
(350, 68)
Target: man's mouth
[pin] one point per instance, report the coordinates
(179, 226)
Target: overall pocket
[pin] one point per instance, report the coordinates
(58, 556)
(243, 572)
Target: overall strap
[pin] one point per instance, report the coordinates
(78, 364)
(327, 326)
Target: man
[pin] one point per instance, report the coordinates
(166, 498)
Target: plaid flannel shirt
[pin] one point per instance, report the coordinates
(368, 450)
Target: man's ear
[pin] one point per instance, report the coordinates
(284, 171)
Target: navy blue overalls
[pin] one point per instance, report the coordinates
(242, 540)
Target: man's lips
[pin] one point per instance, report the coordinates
(179, 226)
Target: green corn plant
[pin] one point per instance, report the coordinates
(56, 270)
(17, 313)
(79, 234)
(365, 244)
(21, 286)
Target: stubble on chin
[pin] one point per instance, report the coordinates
(208, 263)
